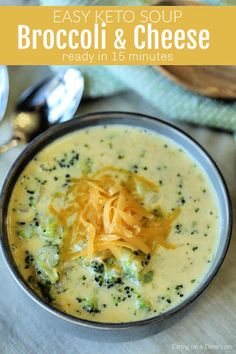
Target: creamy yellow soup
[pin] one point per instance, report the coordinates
(137, 285)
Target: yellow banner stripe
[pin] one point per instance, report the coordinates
(125, 35)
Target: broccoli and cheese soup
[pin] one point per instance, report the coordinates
(113, 224)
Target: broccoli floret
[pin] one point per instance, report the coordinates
(29, 259)
(26, 232)
(51, 231)
(149, 197)
(132, 269)
(50, 255)
(97, 266)
(148, 277)
(42, 287)
(131, 264)
(86, 166)
(45, 272)
(90, 305)
(112, 276)
(45, 263)
(142, 304)
(45, 289)
(105, 273)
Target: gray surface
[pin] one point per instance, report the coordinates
(212, 321)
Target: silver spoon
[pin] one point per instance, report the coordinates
(4, 90)
(53, 100)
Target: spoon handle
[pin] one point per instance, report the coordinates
(13, 142)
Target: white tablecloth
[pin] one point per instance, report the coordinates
(209, 326)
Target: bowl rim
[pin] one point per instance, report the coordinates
(14, 173)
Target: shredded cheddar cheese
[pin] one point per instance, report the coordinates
(106, 211)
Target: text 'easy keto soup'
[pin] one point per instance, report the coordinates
(113, 224)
